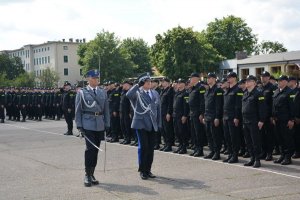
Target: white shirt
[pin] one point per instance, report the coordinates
(90, 88)
(149, 93)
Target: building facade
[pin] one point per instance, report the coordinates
(59, 56)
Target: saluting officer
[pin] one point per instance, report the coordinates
(180, 116)
(2, 105)
(232, 115)
(92, 117)
(146, 121)
(284, 120)
(213, 116)
(254, 115)
(197, 109)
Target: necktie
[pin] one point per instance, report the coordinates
(94, 91)
(149, 94)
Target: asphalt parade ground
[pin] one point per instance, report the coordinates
(38, 162)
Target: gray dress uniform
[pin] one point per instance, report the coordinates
(91, 117)
(146, 121)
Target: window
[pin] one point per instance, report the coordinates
(42, 60)
(65, 47)
(259, 71)
(244, 73)
(65, 59)
(39, 50)
(48, 48)
(276, 69)
(66, 72)
(48, 59)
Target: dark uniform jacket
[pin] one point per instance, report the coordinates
(2, 98)
(38, 99)
(196, 100)
(213, 103)
(253, 106)
(114, 100)
(124, 104)
(9, 98)
(166, 99)
(16, 98)
(24, 99)
(232, 108)
(180, 104)
(283, 104)
(68, 101)
(297, 104)
(57, 99)
(268, 91)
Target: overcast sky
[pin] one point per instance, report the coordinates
(37, 21)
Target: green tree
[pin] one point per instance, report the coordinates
(138, 51)
(48, 78)
(180, 51)
(25, 80)
(229, 35)
(12, 67)
(114, 61)
(267, 47)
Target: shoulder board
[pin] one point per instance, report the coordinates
(261, 98)
(292, 96)
(239, 94)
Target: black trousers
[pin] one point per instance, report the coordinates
(146, 140)
(167, 131)
(285, 138)
(125, 123)
(232, 136)
(16, 110)
(69, 119)
(198, 131)
(297, 137)
(24, 111)
(252, 138)
(2, 116)
(214, 137)
(91, 153)
(180, 131)
(115, 126)
(267, 136)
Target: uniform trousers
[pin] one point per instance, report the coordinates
(252, 138)
(91, 153)
(232, 136)
(214, 137)
(285, 138)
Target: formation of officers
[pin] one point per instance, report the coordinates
(23, 104)
(250, 118)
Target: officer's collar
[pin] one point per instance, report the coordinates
(90, 88)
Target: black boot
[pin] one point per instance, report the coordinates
(88, 177)
(257, 163)
(250, 163)
(2, 120)
(216, 156)
(94, 180)
(68, 133)
(228, 158)
(287, 160)
(269, 157)
(210, 155)
(182, 150)
(279, 160)
(234, 159)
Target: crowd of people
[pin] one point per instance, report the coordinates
(248, 118)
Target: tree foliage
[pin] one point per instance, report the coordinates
(229, 35)
(49, 78)
(115, 63)
(11, 67)
(180, 51)
(267, 47)
(138, 51)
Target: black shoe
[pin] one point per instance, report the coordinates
(233, 159)
(242, 152)
(250, 163)
(295, 156)
(127, 142)
(122, 142)
(162, 148)
(156, 147)
(87, 181)
(2, 120)
(199, 153)
(182, 151)
(143, 176)
(23, 120)
(279, 160)
(150, 175)
(269, 157)
(223, 150)
(263, 156)
(276, 151)
(246, 155)
(216, 156)
(167, 149)
(18, 119)
(226, 152)
(177, 150)
(68, 133)
(286, 161)
(209, 156)
(93, 179)
(134, 143)
(113, 140)
(228, 158)
(257, 164)
(192, 154)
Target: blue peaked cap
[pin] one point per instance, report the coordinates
(93, 73)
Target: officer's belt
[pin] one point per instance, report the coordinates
(92, 113)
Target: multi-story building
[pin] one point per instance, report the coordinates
(59, 56)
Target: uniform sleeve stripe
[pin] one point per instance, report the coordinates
(292, 96)
(219, 94)
(240, 94)
(202, 91)
(261, 98)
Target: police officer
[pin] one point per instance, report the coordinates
(16, 105)
(68, 106)
(146, 121)
(57, 100)
(156, 86)
(166, 99)
(232, 114)
(254, 114)
(30, 109)
(125, 113)
(23, 104)
(297, 124)
(38, 104)
(2, 105)
(284, 120)
(91, 117)
(267, 131)
(114, 106)
(9, 103)
(180, 116)
(197, 108)
(213, 116)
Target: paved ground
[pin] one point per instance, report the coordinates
(38, 162)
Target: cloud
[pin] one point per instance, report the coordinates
(25, 22)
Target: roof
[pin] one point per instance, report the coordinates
(268, 58)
